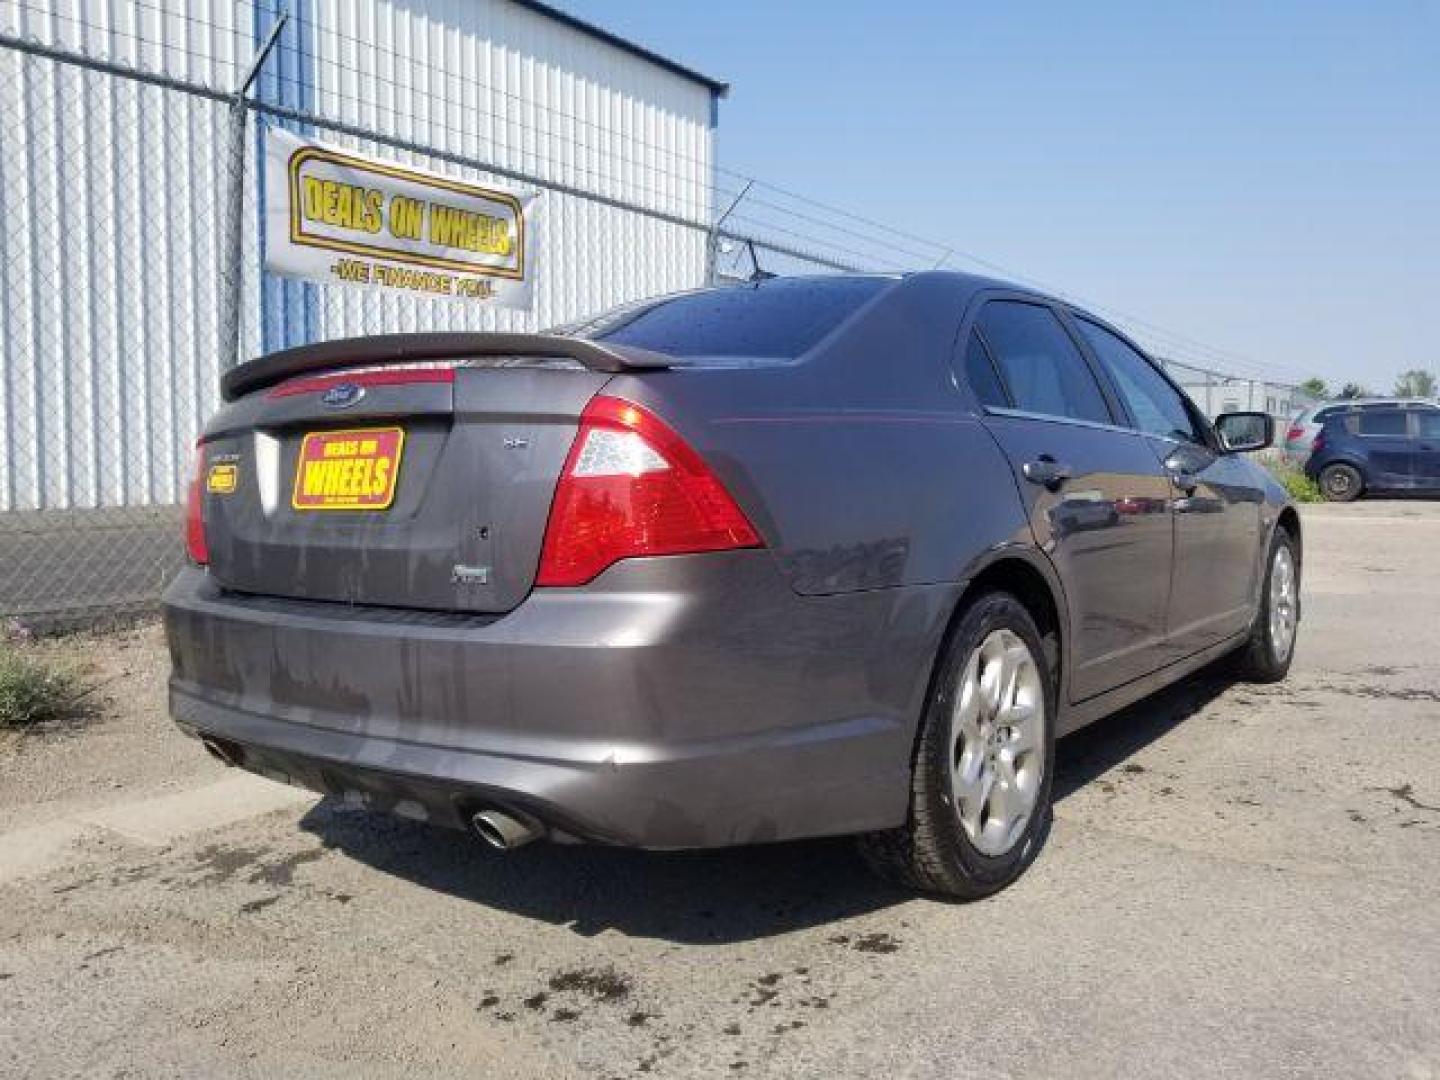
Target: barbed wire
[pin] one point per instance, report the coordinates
(612, 162)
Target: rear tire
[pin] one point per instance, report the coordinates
(984, 759)
(1341, 483)
(1266, 657)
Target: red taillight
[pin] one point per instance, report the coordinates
(195, 544)
(1318, 444)
(631, 487)
(1295, 433)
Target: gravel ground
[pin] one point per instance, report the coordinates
(1241, 882)
(129, 751)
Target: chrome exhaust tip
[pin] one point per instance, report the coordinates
(504, 831)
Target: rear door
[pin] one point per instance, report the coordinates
(1095, 492)
(418, 487)
(1389, 449)
(1213, 498)
(1427, 450)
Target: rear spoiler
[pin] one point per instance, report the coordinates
(268, 370)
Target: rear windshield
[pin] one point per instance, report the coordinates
(776, 319)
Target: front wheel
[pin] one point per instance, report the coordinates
(1266, 656)
(980, 787)
(1340, 483)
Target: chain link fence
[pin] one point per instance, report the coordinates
(124, 297)
(107, 332)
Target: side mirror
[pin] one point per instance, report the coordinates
(1244, 431)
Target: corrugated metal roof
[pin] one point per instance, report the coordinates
(718, 88)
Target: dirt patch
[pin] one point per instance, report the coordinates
(877, 943)
(602, 984)
(221, 863)
(282, 873)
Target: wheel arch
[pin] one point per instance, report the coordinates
(1028, 576)
(1289, 520)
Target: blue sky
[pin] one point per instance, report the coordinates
(1261, 177)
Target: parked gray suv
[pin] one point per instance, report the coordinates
(805, 557)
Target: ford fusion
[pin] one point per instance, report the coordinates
(804, 557)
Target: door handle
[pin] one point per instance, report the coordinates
(1047, 472)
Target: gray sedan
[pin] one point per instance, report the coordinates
(806, 557)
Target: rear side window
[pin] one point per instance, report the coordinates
(1157, 406)
(778, 319)
(1039, 364)
(1429, 424)
(1387, 422)
(980, 374)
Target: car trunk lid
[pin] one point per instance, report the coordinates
(416, 479)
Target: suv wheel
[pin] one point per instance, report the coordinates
(980, 788)
(1266, 656)
(1340, 483)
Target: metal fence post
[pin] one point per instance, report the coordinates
(232, 240)
(712, 240)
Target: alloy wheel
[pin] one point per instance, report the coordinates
(997, 742)
(1284, 602)
(1337, 483)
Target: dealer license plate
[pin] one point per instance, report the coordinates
(348, 470)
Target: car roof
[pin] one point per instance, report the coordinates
(1377, 403)
(1339, 413)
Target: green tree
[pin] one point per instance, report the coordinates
(1316, 387)
(1417, 382)
(1353, 390)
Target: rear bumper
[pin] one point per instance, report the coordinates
(681, 702)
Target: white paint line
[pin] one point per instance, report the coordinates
(167, 818)
(154, 822)
(37, 849)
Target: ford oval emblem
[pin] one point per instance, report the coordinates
(342, 395)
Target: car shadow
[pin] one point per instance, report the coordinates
(1100, 747)
(699, 897)
(695, 897)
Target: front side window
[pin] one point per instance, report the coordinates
(1429, 424)
(1039, 364)
(1389, 422)
(1157, 406)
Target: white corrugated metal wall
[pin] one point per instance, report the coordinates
(492, 80)
(106, 369)
(111, 192)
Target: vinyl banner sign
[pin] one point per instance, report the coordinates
(336, 217)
